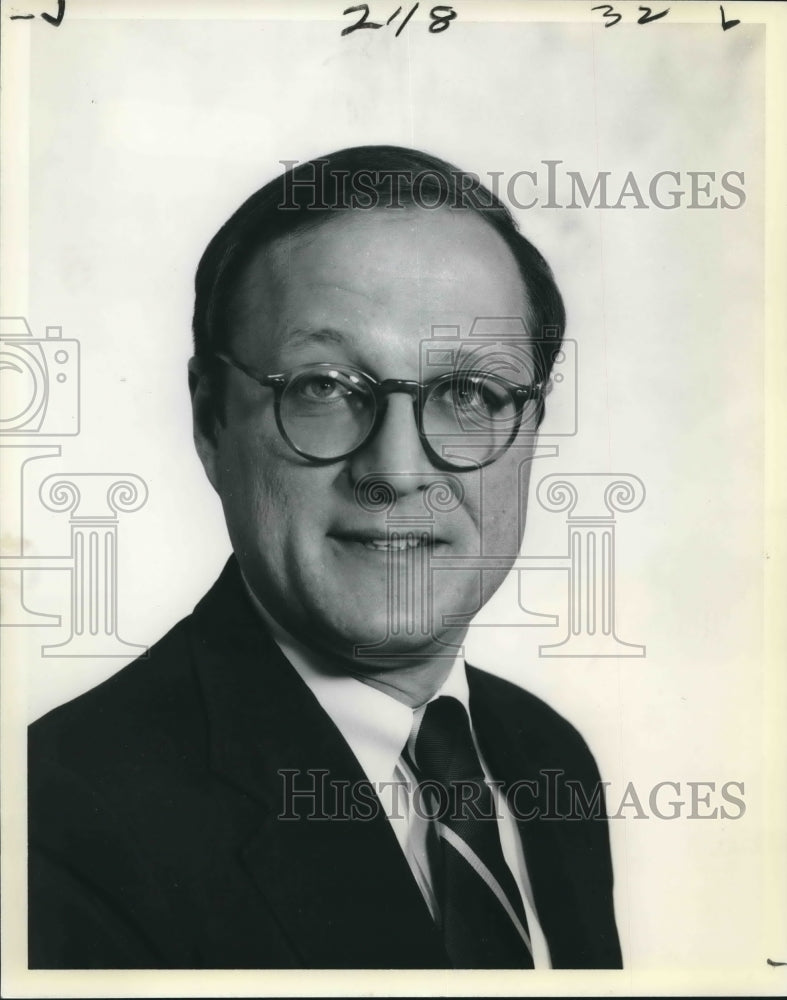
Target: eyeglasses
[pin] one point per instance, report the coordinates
(465, 419)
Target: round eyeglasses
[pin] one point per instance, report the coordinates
(465, 419)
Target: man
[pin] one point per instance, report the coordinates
(304, 772)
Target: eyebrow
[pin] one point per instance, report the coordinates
(321, 335)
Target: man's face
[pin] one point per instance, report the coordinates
(364, 289)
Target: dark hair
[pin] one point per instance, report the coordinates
(362, 178)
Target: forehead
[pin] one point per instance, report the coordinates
(382, 279)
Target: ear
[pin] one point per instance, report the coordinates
(205, 420)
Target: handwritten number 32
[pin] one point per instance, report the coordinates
(611, 16)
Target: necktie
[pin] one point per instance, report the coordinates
(481, 913)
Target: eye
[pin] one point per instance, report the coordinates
(474, 394)
(326, 391)
(322, 388)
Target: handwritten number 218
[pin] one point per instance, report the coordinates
(441, 16)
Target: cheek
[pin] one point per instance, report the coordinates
(252, 486)
(504, 507)
(270, 498)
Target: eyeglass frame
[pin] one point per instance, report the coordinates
(380, 390)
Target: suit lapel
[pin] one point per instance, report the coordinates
(562, 872)
(340, 888)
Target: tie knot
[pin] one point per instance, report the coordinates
(444, 749)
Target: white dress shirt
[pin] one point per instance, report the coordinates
(377, 727)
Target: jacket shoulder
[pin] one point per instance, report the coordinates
(133, 713)
(544, 735)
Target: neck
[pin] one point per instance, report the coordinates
(411, 678)
(412, 684)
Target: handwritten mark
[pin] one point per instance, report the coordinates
(440, 22)
(612, 17)
(770, 961)
(56, 20)
(403, 25)
(609, 12)
(364, 21)
(649, 16)
(726, 25)
(61, 13)
(440, 18)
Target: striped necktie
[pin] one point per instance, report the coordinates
(481, 914)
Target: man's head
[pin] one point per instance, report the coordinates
(359, 275)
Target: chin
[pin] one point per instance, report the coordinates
(371, 639)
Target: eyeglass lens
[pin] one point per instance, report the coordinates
(327, 412)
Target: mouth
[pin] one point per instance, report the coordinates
(394, 541)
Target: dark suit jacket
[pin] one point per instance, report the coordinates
(155, 842)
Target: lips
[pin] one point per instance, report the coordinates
(391, 541)
(398, 543)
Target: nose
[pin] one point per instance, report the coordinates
(395, 452)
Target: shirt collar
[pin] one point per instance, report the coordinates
(375, 725)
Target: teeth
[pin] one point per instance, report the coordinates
(396, 543)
